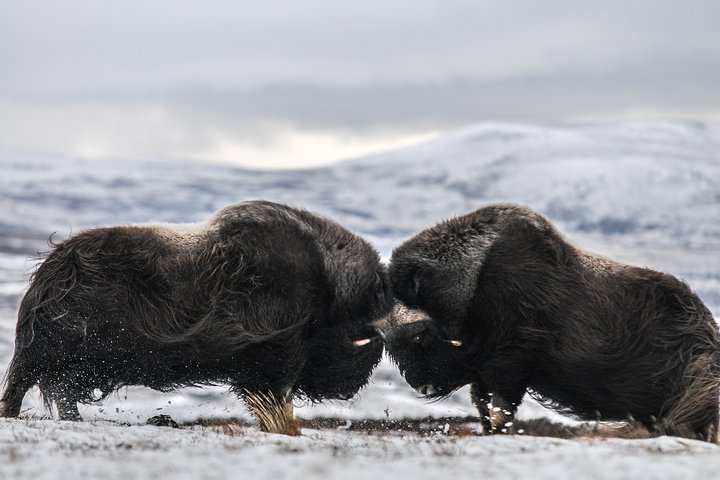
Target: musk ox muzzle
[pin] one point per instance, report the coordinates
(425, 357)
(275, 301)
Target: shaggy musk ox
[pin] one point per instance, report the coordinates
(274, 301)
(498, 299)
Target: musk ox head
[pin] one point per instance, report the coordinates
(329, 282)
(433, 275)
(431, 363)
(341, 344)
(344, 352)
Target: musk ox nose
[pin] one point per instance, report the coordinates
(427, 389)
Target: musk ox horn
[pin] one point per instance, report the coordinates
(402, 315)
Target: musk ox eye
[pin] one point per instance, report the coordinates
(455, 343)
(416, 339)
(362, 342)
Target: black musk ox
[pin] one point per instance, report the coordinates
(499, 300)
(274, 301)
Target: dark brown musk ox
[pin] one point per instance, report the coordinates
(499, 300)
(275, 301)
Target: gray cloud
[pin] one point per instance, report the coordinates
(222, 67)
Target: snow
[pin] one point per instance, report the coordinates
(43, 449)
(646, 193)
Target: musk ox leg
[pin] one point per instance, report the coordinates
(67, 409)
(20, 378)
(12, 397)
(696, 414)
(274, 412)
(65, 399)
(497, 411)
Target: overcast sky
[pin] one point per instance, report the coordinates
(272, 83)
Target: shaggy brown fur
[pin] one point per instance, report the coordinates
(500, 300)
(264, 297)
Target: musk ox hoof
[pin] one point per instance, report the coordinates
(5, 411)
(426, 389)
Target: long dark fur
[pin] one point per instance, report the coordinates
(594, 337)
(264, 297)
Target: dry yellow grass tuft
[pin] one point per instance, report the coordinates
(274, 415)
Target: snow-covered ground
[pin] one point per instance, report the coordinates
(42, 449)
(648, 194)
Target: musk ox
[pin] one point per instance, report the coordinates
(499, 300)
(274, 301)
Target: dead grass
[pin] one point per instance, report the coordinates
(452, 427)
(233, 427)
(275, 416)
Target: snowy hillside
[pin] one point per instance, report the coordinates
(648, 194)
(656, 183)
(644, 193)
